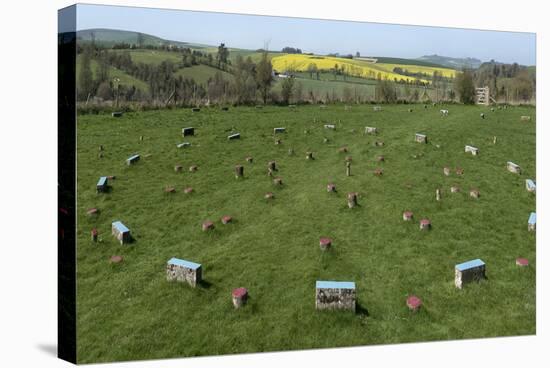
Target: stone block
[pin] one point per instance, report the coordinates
(468, 272)
(335, 295)
(184, 271)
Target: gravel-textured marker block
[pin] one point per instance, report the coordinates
(239, 171)
(330, 126)
(530, 186)
(226, 219)
(425, 224)
(249, 159)
(522, 262)
(420, 138)
(371, 130)
(335, 295)
(207, 225)
(234, 136)
(278, 181)
(414, 303)
(407, 216)
(513, 168)
(471, 149)
(116, 259)
(272, 165)
(178, 168)
(188, 190)
(102, 184)
(446, 171)
(352, 200)
(380, 158)
(239, 297)
(169, 190)
(187, 131)
(94, 234)
(331, 187)
(132, 160)
(193, 168)
(468, 272)
(116, 114)
(183, 271)
(92, 212)
(279, 130)
(120, 232)
(532, 222)
(183, 145)
(325, 243)
(525, 118)
(474, 193)
(455, 189)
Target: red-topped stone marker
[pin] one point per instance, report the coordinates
(331, 187)
(407, 216)
(239, 296)
(188, 190)
(94, 234)
(207, 225)
(425, 224)
(92, 212)
(269, 196)
(325, 243)
(522, 262)
(226, 219)
(414, 303)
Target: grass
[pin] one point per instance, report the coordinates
(125, 78)
(129, 311)
(201, 73)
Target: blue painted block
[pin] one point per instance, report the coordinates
(102, 181)
(530, 185)
(470, 264)
(532, 223)
(183, 263)
(132, 159)
(120, 227)
(335, 285)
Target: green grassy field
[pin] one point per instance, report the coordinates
(129, 311)
(202, 73)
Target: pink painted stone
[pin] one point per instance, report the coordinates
(414, 303)
(331, 187)
(92, 211)
(226, 219)
(188, 190)
(325, 243)
(522, 262)
(207, 225)
(116, 259)
(425, 224)
(269, 195)
(407, 216)
(239, 296)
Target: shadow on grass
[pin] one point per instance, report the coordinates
(205, 284)
(361, 310)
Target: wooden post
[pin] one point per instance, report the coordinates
(348, 168)
(352, 200)
(437, 194)
(239, 171)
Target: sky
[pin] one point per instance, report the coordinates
(312, 35)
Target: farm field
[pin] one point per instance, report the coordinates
(129, 311)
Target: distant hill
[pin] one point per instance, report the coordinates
(455, 63)
(392, 60)
(109, 37)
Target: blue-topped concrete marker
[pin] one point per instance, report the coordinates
(184, 271)
(530, 186)
(102, 184)
(279, 130)
(532, 222)
(335, 295)
(471, 149)
(132, 160)
(121, 232)
(469, 271)
(234, 136)
(183, 145)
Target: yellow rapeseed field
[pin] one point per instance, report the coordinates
(357, 68)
